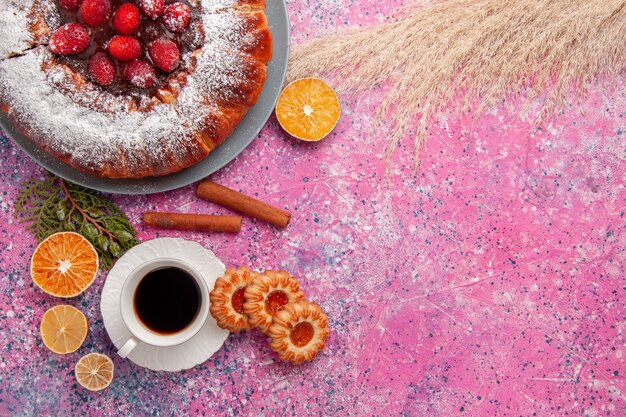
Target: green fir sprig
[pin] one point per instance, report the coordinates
(52, 205)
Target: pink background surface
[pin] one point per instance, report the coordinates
(488, 282)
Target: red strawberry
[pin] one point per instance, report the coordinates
(124, 48)
(70, 39)
(164, 54)
(102, 68)
(152, 9)
(70, 4)
(140, 73)
(126, 19)
(95, 12)
(176, 17)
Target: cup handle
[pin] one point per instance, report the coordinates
(128, 347)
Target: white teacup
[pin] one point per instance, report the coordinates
(141, 333)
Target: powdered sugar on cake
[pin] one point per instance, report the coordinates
(14, 34)
(217, 66)
(23, 24)
(88, 136)
(62, 113)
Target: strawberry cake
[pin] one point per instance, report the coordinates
(130, 89)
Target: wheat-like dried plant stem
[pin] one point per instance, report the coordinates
(478, 50)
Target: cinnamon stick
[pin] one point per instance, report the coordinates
(241, 203)
(198, 222)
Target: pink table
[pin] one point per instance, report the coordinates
(489, 282)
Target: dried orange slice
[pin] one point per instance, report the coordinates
(94, 371)
(63, 329)
(64, 265)
(308, 109)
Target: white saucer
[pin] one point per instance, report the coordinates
(173, 358)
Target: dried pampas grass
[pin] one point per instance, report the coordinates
(479, 50)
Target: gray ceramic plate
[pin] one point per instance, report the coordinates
(245, 133)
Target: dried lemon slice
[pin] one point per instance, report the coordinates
(94, 371)
(63, 329)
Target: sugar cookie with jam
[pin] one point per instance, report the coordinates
(269, 293)
(299, 332)
(227, 299)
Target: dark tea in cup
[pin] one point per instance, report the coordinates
(167, 300)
